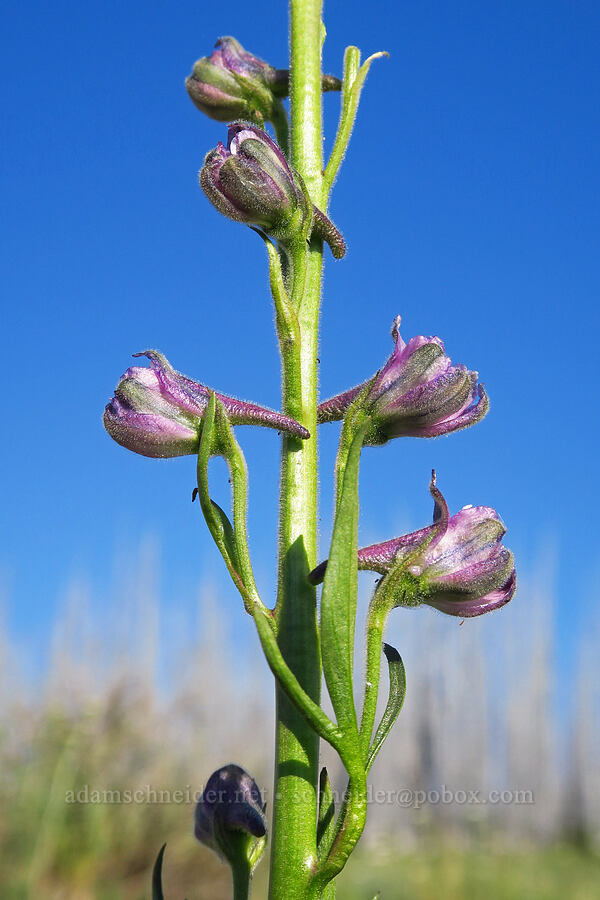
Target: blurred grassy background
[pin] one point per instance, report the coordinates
(125, 703)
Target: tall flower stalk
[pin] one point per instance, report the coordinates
(458, 565)
(294, 843)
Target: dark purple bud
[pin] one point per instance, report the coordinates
(417, 393)
(457, 565)
(233, 84)
(157, 412)
(230, 807)
(251, 182)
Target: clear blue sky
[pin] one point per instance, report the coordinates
(469, 201)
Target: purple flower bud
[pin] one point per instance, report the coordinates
(230, 804)
(233, 84)
(417, 393)
(251, 181)
(158, 412)
(457, 565)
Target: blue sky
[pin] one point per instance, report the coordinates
(469, 201)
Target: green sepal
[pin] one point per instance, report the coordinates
(239, 848)
(397, 676)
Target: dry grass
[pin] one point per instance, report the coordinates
(120, 715)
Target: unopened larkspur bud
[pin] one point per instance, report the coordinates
(418, 393)
(158, 412)
(233, 84)
(230, 815)
(251, 181)
(457, 565)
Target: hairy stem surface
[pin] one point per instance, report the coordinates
(293, 853)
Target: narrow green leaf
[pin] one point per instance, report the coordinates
(205, 451)
(354, 79)
(218, 523)
(226, 532)
(326, 821)
(338, 600)
(288, 329)
(394, 704)
(157, 891)
(351, 67)
(216, 519)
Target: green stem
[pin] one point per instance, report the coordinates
(240, 871)
(294, 852)
(305, 94)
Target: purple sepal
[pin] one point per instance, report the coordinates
(417, 393)
(251, 182)
(380, 557)
(157, 411)
(232, 83)
(334, 409)
(230, 55)
(231, 802)
(469, 606)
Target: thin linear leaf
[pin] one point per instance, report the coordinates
(326, 821)
(288, 328)
(222, 522)
(314, 715)
(354, 79)
(157, 891)
(394, 704)
(217, 438)
(340, 585)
